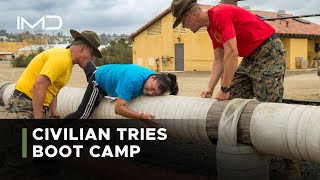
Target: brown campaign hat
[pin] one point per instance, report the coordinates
(90, 38)
(179, 7)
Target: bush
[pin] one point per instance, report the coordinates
(116, 53)
(22, 60)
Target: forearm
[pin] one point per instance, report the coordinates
(39, 95)
(127, 112)
(122, 109)
(216, 69)
(216, 72)
(230, 63)
(53, 106)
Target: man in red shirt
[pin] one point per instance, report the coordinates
(235, 32)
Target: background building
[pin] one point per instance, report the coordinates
(159, 47)
(6, 56)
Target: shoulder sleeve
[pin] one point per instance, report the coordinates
(55, 66)
(224, 25)
(216, 45)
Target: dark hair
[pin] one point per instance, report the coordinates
(167, 82)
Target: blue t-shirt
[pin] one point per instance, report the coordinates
(122, 80)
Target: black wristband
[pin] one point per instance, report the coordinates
(225, 89)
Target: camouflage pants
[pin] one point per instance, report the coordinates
(21, 108)
(261, 74)
(13, 166)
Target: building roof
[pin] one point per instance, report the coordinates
(286, 28)
(44, 46)
(6, 53)
(150, 23)
(4, 37)
(291, 27)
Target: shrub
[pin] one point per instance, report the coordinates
(116, 53)
(22, 60)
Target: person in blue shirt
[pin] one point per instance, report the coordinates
(124, 81)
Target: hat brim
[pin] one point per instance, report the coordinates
(176, 22)
(75, 34)
(184, 9)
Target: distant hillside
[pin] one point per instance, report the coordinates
(39, 37)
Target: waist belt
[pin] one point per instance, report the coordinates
(21, 94)
(272, 37)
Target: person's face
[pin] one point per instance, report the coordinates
(85, 55)
(151, 87)
(189, 21)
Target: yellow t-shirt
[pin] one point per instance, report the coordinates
(56, 64)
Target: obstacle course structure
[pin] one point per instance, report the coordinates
(286, 130)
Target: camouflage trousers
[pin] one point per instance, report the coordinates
(21, 108)
(13, 166)
(261, 74)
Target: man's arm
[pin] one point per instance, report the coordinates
(39, 95)
(230, 63)
(53, 106)
(216, 72)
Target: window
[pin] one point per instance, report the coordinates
(155, 29)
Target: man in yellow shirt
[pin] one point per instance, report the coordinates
(35, 94)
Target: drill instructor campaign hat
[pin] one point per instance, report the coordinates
(88, 37)
(179, 7)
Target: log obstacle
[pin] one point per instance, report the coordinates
(192, 118)
(287, 130)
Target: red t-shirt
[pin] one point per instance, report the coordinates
(228, 21)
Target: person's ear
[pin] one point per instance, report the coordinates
(188, 16)
(82, 49)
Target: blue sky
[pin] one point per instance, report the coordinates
(119, 16)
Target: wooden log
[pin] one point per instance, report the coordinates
(214, 116)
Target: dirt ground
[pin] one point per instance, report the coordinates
(299, 84)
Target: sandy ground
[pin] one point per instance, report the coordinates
(299, 84)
